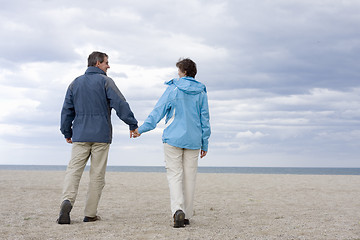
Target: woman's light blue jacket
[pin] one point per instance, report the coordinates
(185, 105)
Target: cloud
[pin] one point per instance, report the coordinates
(297, 45)
(282, 77)
(250, 135)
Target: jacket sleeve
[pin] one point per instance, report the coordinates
(205, 122)
(67, 115)
(158, 113)
(118, 102)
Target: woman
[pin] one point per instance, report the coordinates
(185, 105)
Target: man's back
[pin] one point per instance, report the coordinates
(89, 94)
(92, 121)
(86, 114)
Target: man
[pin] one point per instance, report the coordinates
(86, 123)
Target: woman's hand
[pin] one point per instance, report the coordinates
(203, 153)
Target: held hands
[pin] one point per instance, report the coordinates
(134, 133)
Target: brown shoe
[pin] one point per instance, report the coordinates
(179, 217)
(91, 219)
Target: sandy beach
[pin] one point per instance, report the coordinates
(227, 206)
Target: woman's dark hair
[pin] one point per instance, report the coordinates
(187, 66)
(94, 57)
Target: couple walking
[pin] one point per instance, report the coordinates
(86, 123)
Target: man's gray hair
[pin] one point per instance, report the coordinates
(94, 57)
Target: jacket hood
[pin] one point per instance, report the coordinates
(188, 85)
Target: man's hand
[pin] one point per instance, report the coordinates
(68, 140)
(134, 133)
(203, 153)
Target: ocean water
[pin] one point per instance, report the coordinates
(235, 170)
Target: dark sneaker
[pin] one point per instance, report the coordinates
(186, 221)
(91, 219)
(179, 217)
(65, 209)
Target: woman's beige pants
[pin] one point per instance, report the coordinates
(181, 169)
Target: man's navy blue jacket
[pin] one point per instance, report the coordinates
(86, 113)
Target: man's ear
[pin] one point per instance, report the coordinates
(97, 63)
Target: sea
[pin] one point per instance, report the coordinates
(232, 170)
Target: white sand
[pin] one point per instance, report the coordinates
(227, 206)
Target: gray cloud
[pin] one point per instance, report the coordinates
(282, 76)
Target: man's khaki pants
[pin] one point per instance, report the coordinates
(181, 169)
(81, 151)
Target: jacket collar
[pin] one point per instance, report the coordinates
(94, 70)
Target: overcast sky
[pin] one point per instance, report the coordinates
(282, 76)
